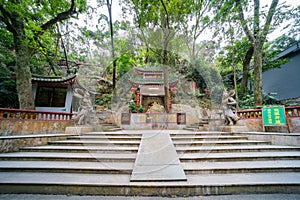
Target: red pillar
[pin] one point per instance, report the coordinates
(137, 103)
(170, 101)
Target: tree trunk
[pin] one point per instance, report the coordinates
(258, 101)
(23, 74)
(166, 78)
(246, 67)
(109, 7)
(166, 37)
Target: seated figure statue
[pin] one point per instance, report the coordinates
(228, 104)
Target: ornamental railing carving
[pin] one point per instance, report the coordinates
(39, 115)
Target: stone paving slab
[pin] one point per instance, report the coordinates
(158, 173)
(286, 178)
(94, 142)
(219, 142)
(94, 148)
(115, 133)
(66, 165)
(157, 159)
(208, 137)
(235, 147)
(106, 137)
(240, 155)
(98, 197)
(241, 164)
(67, 156)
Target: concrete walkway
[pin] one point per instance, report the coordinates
(157, 159)
(221, 197)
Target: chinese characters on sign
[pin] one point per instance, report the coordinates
(274, 116)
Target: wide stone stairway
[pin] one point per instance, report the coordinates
(182, 163)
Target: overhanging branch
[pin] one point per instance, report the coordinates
(243, 21)
(5, 19)
(60, 17)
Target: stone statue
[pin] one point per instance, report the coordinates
(228, 104)
(85, 109)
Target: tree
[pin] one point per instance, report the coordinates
(262, 19)
(164, 17)
(257, 37)
(109, 8)
(198, 21)
(27, 20)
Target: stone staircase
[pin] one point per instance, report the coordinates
(109, 127)
(101, 163)
(202, 125)
(106, 123)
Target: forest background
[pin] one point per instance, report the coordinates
(231, 41)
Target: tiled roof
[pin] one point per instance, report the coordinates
(54, 79)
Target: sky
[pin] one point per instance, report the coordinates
(117, 15)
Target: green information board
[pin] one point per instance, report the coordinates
(274, 116)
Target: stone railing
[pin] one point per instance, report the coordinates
(291, 112)
(37, 115)
(249, 114)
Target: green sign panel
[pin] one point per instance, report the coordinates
(274, 116)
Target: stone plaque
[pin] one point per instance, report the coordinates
(181, 118)
(125, 119)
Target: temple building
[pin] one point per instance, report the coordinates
(147, 86)
(53, 93)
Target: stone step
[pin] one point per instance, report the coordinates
(15, 142)
(191, 129)
(95, 142)
(104, 137)
(119, 185)
(219, 142)
(234, 148)
(67, 167)
(81, 149)
(194, 126)
(107, 124)
(208, 137)
(241, 167)
(205, 133)
(56, 156)
(102, 163)
(240, 156)
(113, 129)
(117, 133)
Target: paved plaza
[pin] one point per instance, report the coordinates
(221, 197)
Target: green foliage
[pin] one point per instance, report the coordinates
(141, 109)
(247, 101)
(149, 13)
(6, 48)
(132, 107)
(206, 77)
(224, 60)
(43, 47)
(8, 92)
(103, 100)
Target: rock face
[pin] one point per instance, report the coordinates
(156, 108)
